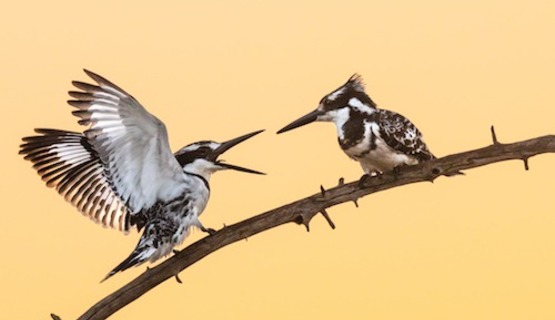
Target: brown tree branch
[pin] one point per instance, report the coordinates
(302, 211)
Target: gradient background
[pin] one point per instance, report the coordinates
(480, 246)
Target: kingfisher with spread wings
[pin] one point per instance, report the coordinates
(121, 173)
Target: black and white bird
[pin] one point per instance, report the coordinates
(121, 173)
(380, 140)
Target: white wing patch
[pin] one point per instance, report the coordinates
(132, 144)
(67, 162)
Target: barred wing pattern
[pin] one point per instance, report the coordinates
(131, 143)
(66, 161)
(402, 135)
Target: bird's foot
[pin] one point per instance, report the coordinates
(397, 170)
(363, 180)
(210, 231)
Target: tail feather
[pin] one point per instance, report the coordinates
(137, 257)
(154, 243)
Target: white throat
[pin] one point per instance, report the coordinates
(201, 167)
(338, 116)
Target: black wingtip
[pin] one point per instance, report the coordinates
(103, 82)
(97, 78)
(89, 72)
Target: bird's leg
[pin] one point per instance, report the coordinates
(363, 180)
(199, 225)
(210, 231)
(397, 170)
(366, 176)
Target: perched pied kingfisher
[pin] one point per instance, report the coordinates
(381, 140)
(121, 173)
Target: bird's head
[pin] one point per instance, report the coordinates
(201, 157)
(337, 105)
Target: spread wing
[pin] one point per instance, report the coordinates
(67, 161)
(132, 144)
(402, 135)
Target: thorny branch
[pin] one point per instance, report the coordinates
(302, 211)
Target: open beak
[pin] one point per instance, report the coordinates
(230, 144)
(306, 119)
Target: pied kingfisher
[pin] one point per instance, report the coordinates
(381, 140)
(121, 173)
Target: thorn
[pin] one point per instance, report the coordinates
(247, 239)
(341, 181)
(327, 217)
(526, 167)
(322, 191)
(177, 278)
(55, 317)
(147, 268)
(175, 251)
(355, 202)
(307, 227)
(494, 136)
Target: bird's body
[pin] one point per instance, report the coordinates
(121, 173)
(168, 223)
(380, 140)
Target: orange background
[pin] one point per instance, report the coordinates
(481, 246)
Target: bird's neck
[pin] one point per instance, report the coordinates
(198, 171)
(204, 178)
(352, 119)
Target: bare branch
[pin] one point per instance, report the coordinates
(302, 211)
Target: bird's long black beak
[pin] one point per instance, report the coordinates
(232, 167)
(306, 119)
(230, 144)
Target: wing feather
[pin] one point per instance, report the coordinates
(68, 162)
(402, 135)
(131, 143)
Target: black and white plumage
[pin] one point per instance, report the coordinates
(121, 173)
(68, 162)
(381, 140)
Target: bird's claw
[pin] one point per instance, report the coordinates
(210, 231)
(363, 180)
(397, 170)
